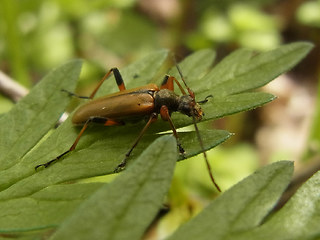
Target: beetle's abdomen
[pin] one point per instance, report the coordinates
(116, 107)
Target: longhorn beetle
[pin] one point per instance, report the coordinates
(128, 104)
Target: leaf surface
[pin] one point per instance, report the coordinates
(32, 117)
(240, 208)
(131, 201)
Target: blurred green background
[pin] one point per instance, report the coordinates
(36, 36)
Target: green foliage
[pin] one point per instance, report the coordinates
(314, 138)
(131, 201)
(31, 200)
(37, 35)
(36, 114)
(309, 13)
(238, 22)
(241, 211)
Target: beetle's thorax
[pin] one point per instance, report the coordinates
(184, 104)
(166, 97)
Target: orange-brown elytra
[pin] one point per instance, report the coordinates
(128, 104)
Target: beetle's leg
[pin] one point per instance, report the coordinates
(47, 164)
(104, 121)
(118, 78)
(165, 115)
(167, 83)
(152, 119)
(74, 95)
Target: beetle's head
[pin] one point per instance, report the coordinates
(189, 107)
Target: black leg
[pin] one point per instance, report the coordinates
(122, 165)
(100, 120)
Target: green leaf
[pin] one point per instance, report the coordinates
(194, 66)
(210, 137)
(34, 115)
(225, 70)
(43, 209)
(252, 71)
(86, 161)
(124, 208)
(242, 207)
(298, 219)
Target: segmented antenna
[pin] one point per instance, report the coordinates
(204, 153)
(191, 93)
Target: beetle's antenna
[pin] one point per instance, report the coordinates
(205, 100)
(204, 153)
(191, 93)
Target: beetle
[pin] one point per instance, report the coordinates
(131, 104)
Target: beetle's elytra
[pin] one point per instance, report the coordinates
(131, 104)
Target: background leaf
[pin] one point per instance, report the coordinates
(243, 211)
(131, 201)
(252, 72)
(46, 208)
(240, 208)
(34, 115)
(298, 219)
